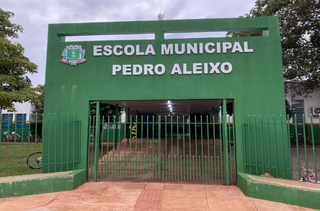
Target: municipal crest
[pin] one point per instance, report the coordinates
(73, 54)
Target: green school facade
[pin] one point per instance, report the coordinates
(173, 109)
(134, 73)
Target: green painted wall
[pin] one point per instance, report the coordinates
(289, 194)
(255, 83)
(42, 184)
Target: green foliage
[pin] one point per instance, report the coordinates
(105, 110)
(15, 86)
(38, 100)
(300, 39)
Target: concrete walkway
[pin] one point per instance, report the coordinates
(136, 196)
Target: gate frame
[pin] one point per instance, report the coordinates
(225, 143)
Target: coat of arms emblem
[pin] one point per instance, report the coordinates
(73, 54)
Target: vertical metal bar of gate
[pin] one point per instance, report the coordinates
(96, 142)
(116, 132)
(159, 147)
(225, 142)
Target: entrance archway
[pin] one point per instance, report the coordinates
(247, 70)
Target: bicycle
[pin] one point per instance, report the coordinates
(301, 138)
(34, 160)
(14, 136)
(32, 136)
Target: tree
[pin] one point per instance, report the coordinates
(105, 111)
(300, 39)
(38, 100)
(15, 86)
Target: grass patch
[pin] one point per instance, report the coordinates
(13, 158)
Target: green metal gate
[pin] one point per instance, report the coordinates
(148, 147)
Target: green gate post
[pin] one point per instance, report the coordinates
(225, 141)
(159, 147)
(116, 135)
(96, 142)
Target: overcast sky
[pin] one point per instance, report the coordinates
(35, 15)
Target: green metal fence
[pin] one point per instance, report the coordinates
(305, 149)
(20, 138)
(162, 148)
(282, 147)
(46, 143)
(190, 148)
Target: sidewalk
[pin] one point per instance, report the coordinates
(127, 196)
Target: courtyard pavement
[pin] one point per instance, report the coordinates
(144, 196)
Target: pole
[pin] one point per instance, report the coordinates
(225, 141)
(96, 144)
